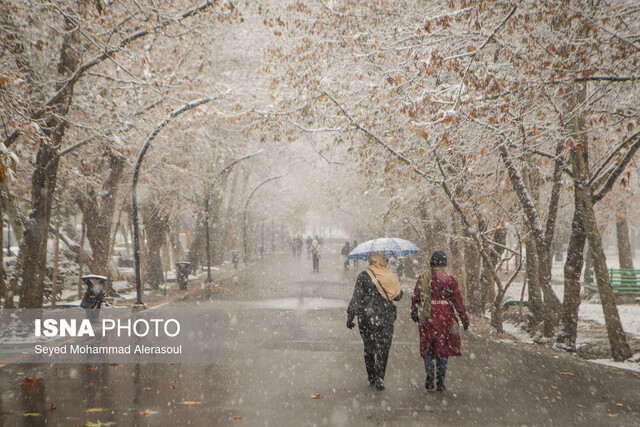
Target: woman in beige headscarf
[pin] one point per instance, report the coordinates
(375, 290)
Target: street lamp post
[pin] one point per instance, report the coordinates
(134, 192)
(244, 215)
(207, 195)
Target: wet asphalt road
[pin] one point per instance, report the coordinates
(290, 360)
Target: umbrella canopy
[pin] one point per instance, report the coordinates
(390, 246)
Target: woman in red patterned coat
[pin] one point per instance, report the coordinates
(433, 306)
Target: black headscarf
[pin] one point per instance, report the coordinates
(438, 259)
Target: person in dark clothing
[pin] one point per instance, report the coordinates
(308, 242)
(373, 295)
(355, 260)
(315, 255)
(436, 299)
(298, 246)
(93, 296)
(346, 249)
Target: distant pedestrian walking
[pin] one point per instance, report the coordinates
(315, 254)
(436, 299)
(355, 260)
(308, 242)
(298, 246)
(345, 252)
(372, 301)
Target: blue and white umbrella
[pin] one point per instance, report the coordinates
(390, 246)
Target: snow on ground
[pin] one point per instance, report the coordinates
(589, 312)
(629, 316)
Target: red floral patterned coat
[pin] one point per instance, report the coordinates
(441, 328)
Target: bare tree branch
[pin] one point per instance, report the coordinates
(607, 79)
(71, 81)
(617, 170)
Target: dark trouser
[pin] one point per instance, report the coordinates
(92, 314)
(377, 342)
(316, 263)
(441, 366)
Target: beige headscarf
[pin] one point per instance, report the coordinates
(386, 282)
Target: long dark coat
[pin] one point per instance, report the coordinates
(375, 314)
(441, 328)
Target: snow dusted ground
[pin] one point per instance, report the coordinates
(590, 316)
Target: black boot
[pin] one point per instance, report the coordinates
(379, 384)
(440, 385)
(429, 382)
(369, 363)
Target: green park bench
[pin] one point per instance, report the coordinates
(624, 280)
(512, 303)
(621, 279)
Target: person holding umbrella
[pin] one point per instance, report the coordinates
(436, 300)
(375, 290)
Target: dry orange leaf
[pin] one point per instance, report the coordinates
(29, 380)
(237, 417)
(567, 373)
(52, 406)
(146, 412)
(315, 395)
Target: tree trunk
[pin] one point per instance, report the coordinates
(474, 289)
(33, 246)
(496, 312)
(3, 284)
(114, 233)
(197, 248)
(156, 226)
(526, 185)
(624, 244)
(551, 301)
(216, 248)
(98, 213)
(620, 349)
(176, 245)
(588, 266)
(81, 258)
(488, 287)
(568, 329)
(457, 263)
(536, 307)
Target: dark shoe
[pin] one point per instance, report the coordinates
(428, 384)
(440, 387)
(379, 384)
(372, 382)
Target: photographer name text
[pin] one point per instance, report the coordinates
(116, 349)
